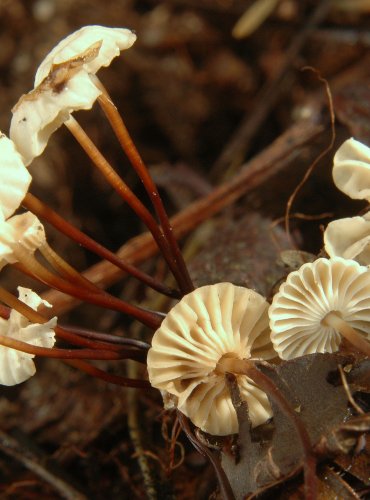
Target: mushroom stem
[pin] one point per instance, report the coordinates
(127, 195)
(107, 377)
(248, 368)
(353, 336)
(55, 352)
(65, 334)
(127, 144)
(30, 266)
(43, 211)
(66, 270)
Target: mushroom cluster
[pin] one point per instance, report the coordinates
(318, 304)
(350, 237)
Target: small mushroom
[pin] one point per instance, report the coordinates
(64, 84)
(17, 366)
(204, 335)
(23, 233)
(349, 238)
(318, 304)
(351, 170)
(14, 178)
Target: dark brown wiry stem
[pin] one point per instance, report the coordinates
(108, 377)
(35, 317)
(136, 161)
(105, 337)
(225, 487)
(247, 367)
(65, 269)
(55, 352)
(29, 265)
(43, 211)
(125, 192)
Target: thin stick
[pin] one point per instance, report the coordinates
(35, 464)
(226, 490)
(317, 160)
(43, 211)
(107, 377)
(238, 146)
(125, 192)
(136, 161)
(348, 391)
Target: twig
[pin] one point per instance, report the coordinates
(223, 482)
(254, 173)
(238, 145)
(135, 432)
(348, 392)
(12, 448)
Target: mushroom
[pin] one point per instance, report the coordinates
(204, 335)
(20, 235)
(17, 366)
(63, 84)
(351, 170)
(349, 238)
(14, 178)
(318, 304)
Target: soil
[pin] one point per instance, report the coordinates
(200, 104)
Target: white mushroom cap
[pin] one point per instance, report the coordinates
(38, 114)
(24, 231)
(351, 170)
(63, 85)
(113, 41)
(308, 295)
(14, 178)
(349, 238)
(16, 366)
(207, 324)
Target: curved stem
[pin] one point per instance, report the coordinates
(124, 191)
(55, 352)
(136, 161)
(66, 270)
(246, 367)
(35, 317)
(105, 337)
(43, 211)
(353, 336)
(29, 265)
(108, 377)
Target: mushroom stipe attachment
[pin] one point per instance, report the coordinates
(210, 331)
(318, 305)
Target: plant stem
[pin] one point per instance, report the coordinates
(43, 211)
(125, 192)
(136, 161)
(246, 367)
(353, 336)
